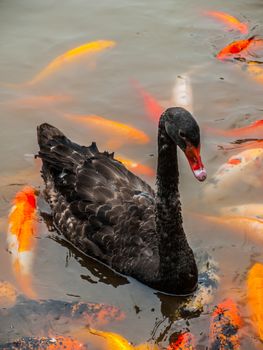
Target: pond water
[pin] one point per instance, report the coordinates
(155, 42)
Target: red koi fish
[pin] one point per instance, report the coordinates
(21, 237)
(254, 129)
(224, 326)
(234, 49)
(152, 107)
(185, 341)
(231, 21)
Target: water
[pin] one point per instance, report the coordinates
(156, 41)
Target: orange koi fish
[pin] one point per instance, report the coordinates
(20, 237)
(137, 168)
(152, 107)
(254, 129)
(117, 342)
(230, 21)
(71, 55)
(224, 326)
(255, 296)
(184, 341)
(120, 133)
(235, 48)
(47, 343)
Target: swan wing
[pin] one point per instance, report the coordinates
(98, 205)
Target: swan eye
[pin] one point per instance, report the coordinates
(182, 134)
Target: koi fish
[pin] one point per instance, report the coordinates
(256, 71)
(235, 48)
(249, 225)
(255, 296)
(224, 326)
(152, 107)
(121, 133)
(8, 294)
(20, 237)
(231, 21)
(137, 168)
(117, 342)
(254, 129)
(184, 341)
(38, 101)
(242, 144)
(71, 55)
(237, 174)
(47, 343)
(182, 95)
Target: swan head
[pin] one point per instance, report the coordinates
(183, 129)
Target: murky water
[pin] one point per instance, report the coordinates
(156, 41)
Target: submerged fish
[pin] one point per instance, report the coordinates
(254, 129)
(137, 168)
(182, 95)
(21, 237)
(71, 55)
(248, 225)
(224, 326)
(255, 71)
(255, 296)
(234, 49)
(184, 341)
(152, 107)
(117, 342)
(242, 144)
(240, 172)
(231, 21)
(118, 133)
(38, 101)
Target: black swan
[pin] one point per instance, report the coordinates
(111, 214)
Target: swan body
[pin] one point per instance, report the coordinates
(113, 215)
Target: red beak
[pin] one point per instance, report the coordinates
(193, 155)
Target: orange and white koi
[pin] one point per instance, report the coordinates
(243, 168)
(231, 21)
(86, 49)
(224, 326)
(20, 237)
(255, 296)
(182, 95)
(254, 130)
(136, 167)
(242, 144)
(120, 133)
(184, 341)
(152, 107)
(248, 225)
(234, 49)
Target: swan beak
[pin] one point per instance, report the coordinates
(194, 158)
